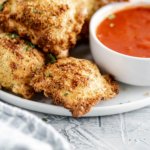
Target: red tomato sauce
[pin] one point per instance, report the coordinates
(127, 32)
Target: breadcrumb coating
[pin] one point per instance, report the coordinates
(75, 84)
(18, 63)
(53, 25)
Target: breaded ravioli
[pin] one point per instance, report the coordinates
(53, 25)
(18, 63)
(75, 84)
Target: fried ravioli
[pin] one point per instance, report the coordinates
(75, 84)
(18, 63)
(53, 25)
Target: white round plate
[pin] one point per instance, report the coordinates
(130, 97)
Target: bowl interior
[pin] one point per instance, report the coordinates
(103, 13)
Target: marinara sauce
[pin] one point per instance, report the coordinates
(127, 32)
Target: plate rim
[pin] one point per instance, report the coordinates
(53, 109)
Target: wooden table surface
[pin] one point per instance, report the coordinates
(128, 131)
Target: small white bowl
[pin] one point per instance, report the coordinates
(126, 69)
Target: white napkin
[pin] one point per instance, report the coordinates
(20, 130)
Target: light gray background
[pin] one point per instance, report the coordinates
(129, 131)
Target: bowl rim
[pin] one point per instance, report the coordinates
(107, 8)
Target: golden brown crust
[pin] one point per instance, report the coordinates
(112, 87)
(73, 83)
(53, 25)
(18, 63)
